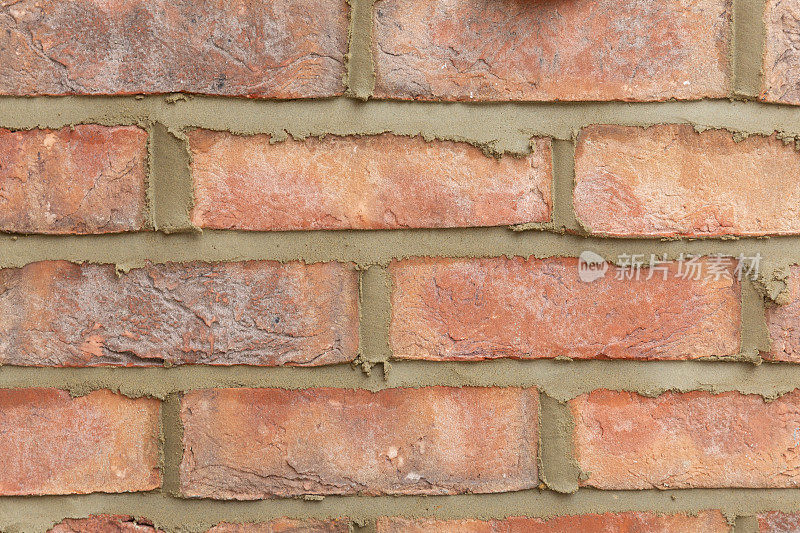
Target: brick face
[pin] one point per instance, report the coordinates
(687, 440)
(781, 80)
(703, 522)
(55, 444)
(55, 313)
(669, 180)
(258, 443)
(374, 182)
(783, 322)
(577, 50)
(84, 179)
(775, 522)
(104, 524)
(281, 49)
(286, 525)
(472, 309)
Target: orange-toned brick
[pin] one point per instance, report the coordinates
(375, 182)
(775, 522)
(687, 440)
(783, 322)
(257, 443)
(533, 50)
(83, 179)
(104, 524)
(702, 522)
(781, 68)
(669, 180)
(55, 313)
(472, 309)
(55, 444)
(256, 48)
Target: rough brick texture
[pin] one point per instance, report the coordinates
(783, 322)
(575, 50)
(687, 440)
(775, 522)
(257, 443)
(281, 49)
(703, 522)
(84, 179)
(55, 313)
(781, 81)
(376, 182)
(55, 444)
(670, 180)
(472, 309)
(286, 525)
(104, 524)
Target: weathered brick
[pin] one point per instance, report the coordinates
(56, 313)
(781, 80)
(703, 522)
(83, 179)
(104, 524)
(472, 309)
(375, 182)
(576, 50)
(783, 322)
(55, 444)
(258, 443)
(255, 48)
(775, 522)
(669, 180)
(286, 525)
(687, 440)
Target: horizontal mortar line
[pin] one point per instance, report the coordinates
(366, 247)
(171, 513)
(558, 379)
(505, 126)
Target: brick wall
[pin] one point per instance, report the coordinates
(382, 266)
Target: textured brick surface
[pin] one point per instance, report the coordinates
(687, 440)
(281, 49)
(377, 182)
(781, 81)
(104, 524)
(784, 323)
(286, 525)
(576, 50)
(703, 522)
(55, 444)
(84, 179)
(257, 443)
(471, 309)
(775, 522)
(669, 180)
(55, 313)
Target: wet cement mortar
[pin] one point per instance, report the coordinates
(496, 128)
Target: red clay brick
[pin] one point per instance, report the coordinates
(55, 444)
(687, 440)
(775, 522)
(255, 48)
(286, 525)
(781, 80)
(784, 323)
(56, 313)
(576, 50)
(257, 443)
(472, 309)
(84, 179)
(669, 180)
(104, 524)
(703, 522)
(375, 182)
